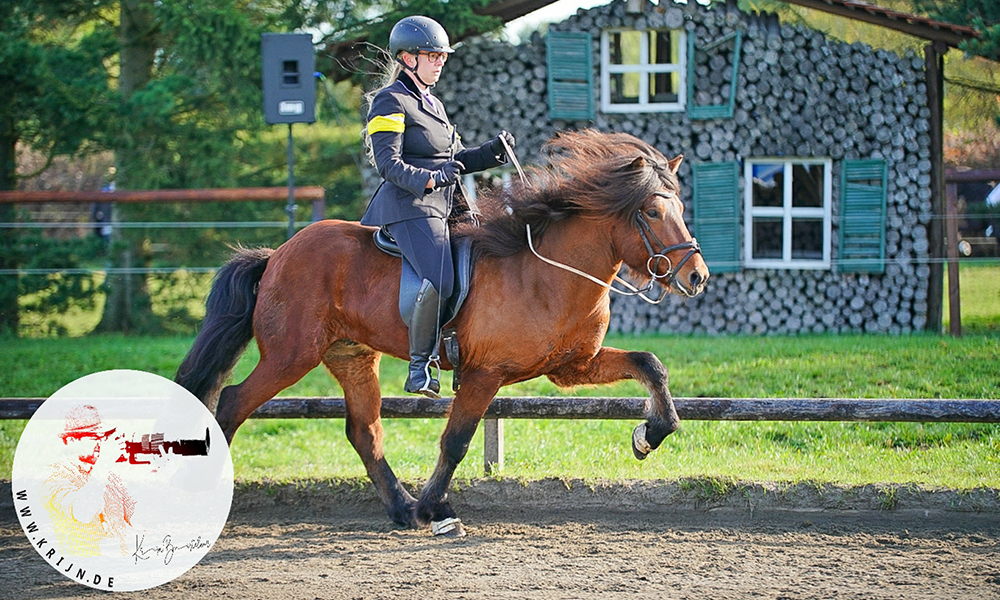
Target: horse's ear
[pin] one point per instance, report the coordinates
(639, 163)
(675, 163)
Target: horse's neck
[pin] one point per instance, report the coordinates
(582, 244)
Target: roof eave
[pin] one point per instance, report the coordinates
(951, 35)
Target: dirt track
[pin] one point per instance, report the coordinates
(557, 539)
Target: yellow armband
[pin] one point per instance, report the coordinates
(394, 123)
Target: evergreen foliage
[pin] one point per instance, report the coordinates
(983, 15)
(74, 82)
(55, 99)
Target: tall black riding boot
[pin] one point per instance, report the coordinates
(424, 334)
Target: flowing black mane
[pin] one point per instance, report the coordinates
(592, 174)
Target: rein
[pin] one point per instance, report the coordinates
(645, 232)
(631, 289)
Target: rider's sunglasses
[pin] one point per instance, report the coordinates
(434, 57)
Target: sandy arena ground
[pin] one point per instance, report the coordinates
(571, 539)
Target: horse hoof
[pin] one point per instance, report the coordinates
(640, 447)
(450, 527)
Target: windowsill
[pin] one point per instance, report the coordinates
(641, 108)
(810, 265)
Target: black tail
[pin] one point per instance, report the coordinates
(227, 328)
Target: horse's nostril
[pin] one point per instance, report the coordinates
(695, 279)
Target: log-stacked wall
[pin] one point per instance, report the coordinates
(798, 95)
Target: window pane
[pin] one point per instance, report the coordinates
(807, 185)
(625, 88)
(662, 48)
(625, 47)
(807, 239)
(768, 186)
(767, 236)
(663, 87)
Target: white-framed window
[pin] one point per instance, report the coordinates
(643, 70)
(787, 213)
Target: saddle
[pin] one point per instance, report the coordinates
(409, 285)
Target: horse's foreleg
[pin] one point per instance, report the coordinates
(467, 409)
(610, 365)
(356, 369)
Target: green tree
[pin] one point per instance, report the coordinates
(173, 88)
(55, 98)
(192, 118)
(189, 97)
(983, 15)
(353, 31)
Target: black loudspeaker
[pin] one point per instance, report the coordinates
(289, 85)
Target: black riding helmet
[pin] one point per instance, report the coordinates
(416, 34)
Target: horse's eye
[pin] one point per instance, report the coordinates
(653, 213)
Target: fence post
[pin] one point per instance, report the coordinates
(290, 207)
(319, 210)
(951, 234)
(492, 445)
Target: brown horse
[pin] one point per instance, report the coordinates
(329, 296)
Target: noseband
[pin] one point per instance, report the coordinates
(653, 262)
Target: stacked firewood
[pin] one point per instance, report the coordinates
(488, 86)
(798, 94)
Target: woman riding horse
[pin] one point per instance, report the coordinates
(538, 305)
(419, 156)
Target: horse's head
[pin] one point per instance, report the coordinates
(657, 243)
(623, 186)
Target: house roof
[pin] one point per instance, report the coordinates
(921, 27)
(915, 25)
(508, 10)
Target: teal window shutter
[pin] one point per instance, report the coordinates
(717, 214)
(862, 216)
(716, 111)
(569, 57)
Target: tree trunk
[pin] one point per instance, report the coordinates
(127, 306)
(8, 237)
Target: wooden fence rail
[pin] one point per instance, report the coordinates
(310, 192)
(698, 409)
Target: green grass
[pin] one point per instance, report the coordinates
(919, 366)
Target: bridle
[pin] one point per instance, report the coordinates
(652, 263)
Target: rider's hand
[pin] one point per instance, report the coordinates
(447, 174)
(496, 146)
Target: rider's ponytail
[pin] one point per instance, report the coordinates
(390, 70)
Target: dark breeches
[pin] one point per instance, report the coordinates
(426, 245)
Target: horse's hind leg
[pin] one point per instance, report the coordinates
(610, 365)
(356, 369)
(467, 409)
(270, 376)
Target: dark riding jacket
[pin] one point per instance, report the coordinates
(410, 139)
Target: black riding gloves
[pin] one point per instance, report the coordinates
(447, 174)
(496, 146)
